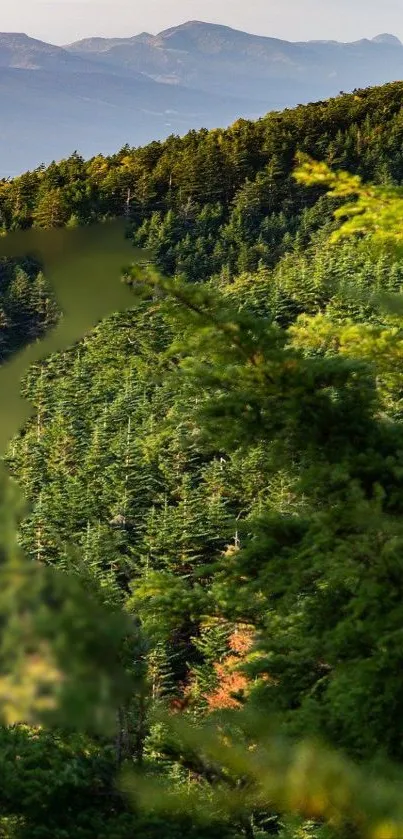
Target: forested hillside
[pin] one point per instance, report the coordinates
(239, 497)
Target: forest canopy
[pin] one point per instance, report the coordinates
(218, 472)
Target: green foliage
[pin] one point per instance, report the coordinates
(375, 210)
(27, 308)
(227, 453)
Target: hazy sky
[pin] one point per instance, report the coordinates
(62, 21)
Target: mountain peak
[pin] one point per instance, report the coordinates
(199, 26)
(386, 38)
(190, 24)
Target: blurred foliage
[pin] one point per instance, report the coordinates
(248, 768)
(60, 660)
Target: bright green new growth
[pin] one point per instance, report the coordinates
(370, 210)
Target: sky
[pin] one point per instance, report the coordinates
(64, 21)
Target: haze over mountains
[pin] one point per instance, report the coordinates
(98, 94)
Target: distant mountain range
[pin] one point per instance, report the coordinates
(98, 94)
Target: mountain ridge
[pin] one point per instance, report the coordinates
(100, 94)
(247, 63)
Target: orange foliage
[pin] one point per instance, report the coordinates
(241, 640)
(231, 682)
